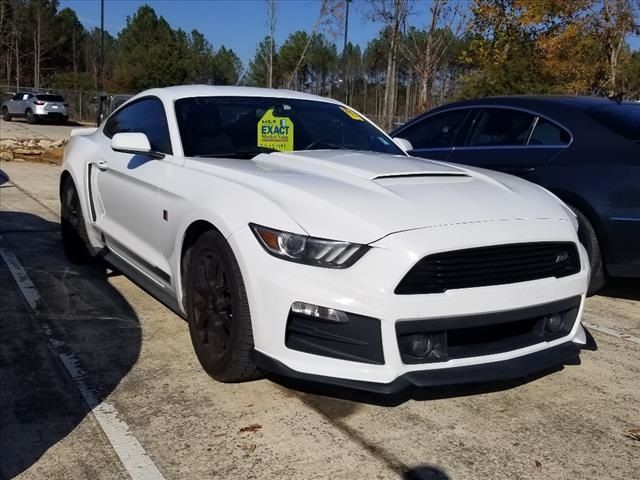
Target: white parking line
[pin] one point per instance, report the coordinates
(132, 454)
(613, 333)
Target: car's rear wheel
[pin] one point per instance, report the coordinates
(6, 116)
(30, 116)
(218, 310)
(589, 238)
(74, 233)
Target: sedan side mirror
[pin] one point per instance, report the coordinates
(403, 143)
(135, 143)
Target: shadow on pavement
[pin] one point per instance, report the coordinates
(625, 288)
(39, 403)
(4, 178)
(424, 472)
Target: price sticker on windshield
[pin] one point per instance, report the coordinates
(352, 113)
(275, 132)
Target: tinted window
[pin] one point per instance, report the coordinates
(144, 116)
(219, 126)
(548, 133)
(438, 131)
(50, 98)
(501, 126)
(17, 96)
(623, 119)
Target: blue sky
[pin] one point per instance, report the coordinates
(237, 24)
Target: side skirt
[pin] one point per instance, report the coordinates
(144, 282)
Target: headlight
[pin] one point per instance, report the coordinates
(308, 250)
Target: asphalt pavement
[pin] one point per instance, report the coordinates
(99, 381)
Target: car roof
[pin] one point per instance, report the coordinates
(169, 94)
(582, 102)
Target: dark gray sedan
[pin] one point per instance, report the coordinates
(586, 150)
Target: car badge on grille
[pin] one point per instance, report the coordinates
(562, 257)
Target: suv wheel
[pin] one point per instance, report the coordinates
(6, 116)
(30, 116)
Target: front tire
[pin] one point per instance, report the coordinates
(74, 232)
(6, 116)
(218, 310)
(589, 238)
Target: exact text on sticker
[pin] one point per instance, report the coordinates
(275, 132)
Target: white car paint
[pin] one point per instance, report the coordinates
(360, 197)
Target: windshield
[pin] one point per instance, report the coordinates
(623, 119)
(246, 126)
(50, 98)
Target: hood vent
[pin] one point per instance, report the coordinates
(420, 175)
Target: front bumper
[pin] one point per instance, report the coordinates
(367, 289)
(519, 367)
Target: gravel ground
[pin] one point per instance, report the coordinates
(577, 422)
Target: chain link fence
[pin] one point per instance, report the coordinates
(83, 104)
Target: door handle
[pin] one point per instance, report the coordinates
(102, 165)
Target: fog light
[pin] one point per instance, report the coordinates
(420, 345)
(555, 322)
(321, 313)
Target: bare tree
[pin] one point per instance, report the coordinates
(272, 11)
(329, 18)
(616, 20)
(393, 15)
(425, 50)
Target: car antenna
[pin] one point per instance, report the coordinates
(618, 97)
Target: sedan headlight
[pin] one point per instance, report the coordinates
(309, 250)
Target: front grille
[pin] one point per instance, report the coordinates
(484, 266)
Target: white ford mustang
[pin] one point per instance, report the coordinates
(296, 237)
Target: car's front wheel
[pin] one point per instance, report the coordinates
(589, 238)
(6, 116)
(218, 310)
(74, 233)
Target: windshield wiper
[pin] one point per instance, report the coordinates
(241, 153)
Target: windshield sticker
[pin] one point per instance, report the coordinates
(352, 114)
(275, 132)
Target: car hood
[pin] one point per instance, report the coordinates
(363, 196)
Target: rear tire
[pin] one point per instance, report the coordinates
(218, 310)
(589, 238)
(6, 116)
(74, 232)
(30, 116)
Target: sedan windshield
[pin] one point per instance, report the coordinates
(246, 126)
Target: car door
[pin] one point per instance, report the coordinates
(125, 187)
(512, 141)
(17, 104)
(435, 136)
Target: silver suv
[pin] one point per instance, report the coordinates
(36, 106)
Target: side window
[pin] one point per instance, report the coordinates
(548, 133)
(17, 96)
(438, 131)
(26, 96)
(501, 126)
(145, 116)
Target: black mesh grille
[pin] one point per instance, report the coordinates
(484, 266)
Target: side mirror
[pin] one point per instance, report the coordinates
(135, 143)
(403, 143)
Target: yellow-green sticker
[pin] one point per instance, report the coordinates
(352, 113)
(275, 132)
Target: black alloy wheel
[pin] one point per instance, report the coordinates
(74, 233)
(218, 310)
